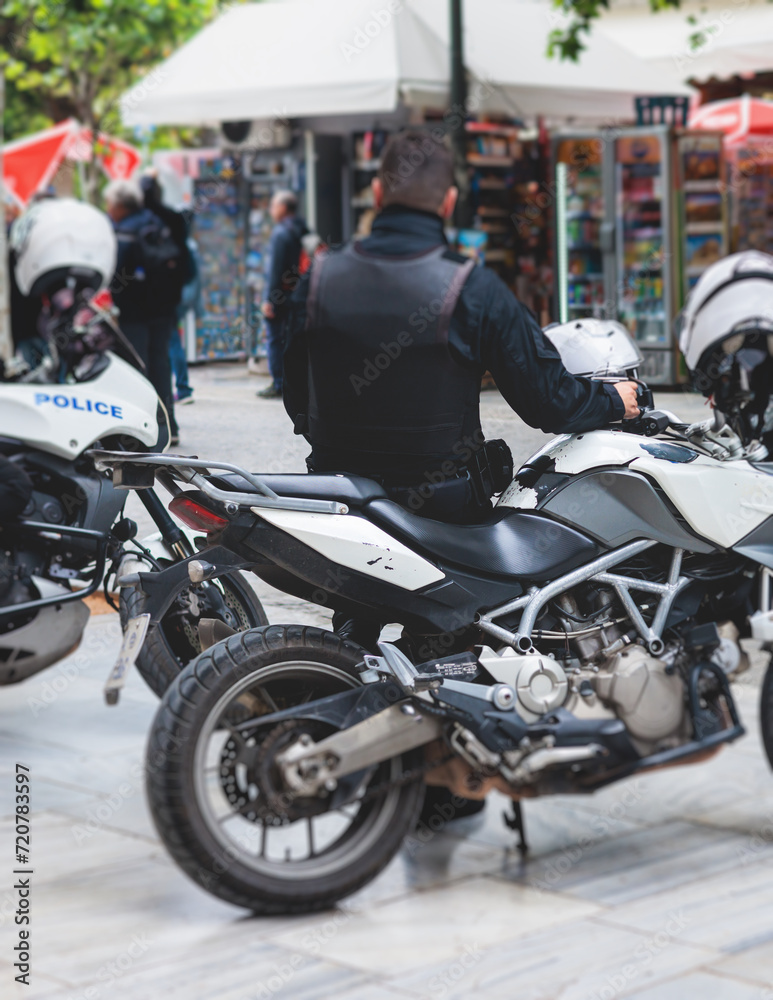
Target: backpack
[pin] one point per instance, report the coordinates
(164, 263)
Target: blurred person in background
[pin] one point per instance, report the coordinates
(284, 254)
(190, 303)
(191, 289)
(147, 287)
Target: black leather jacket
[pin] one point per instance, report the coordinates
(490, 329)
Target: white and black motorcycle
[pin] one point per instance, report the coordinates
(591, 629)
(71, 388)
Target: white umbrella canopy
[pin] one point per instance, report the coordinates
(267, 60)
(301, 59)
(720, 39)
(505, 44)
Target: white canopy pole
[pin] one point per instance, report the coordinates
(311, 179)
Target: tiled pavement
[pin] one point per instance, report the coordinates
(659, 889)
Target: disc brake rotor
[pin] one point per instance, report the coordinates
(237, 760)
(251, 780)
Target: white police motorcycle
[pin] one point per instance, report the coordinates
(594, 623)
(76, 385)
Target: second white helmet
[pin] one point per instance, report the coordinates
(60, 239)
(732, 299)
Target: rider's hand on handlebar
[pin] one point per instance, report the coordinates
(628, 392)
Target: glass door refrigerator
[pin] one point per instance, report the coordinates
(646, 275)
(704, 230)
(580, 199)
(662, 222)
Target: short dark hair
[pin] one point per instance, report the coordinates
(416, 170)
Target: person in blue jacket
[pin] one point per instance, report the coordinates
(284, 253)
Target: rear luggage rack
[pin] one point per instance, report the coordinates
(136, 470)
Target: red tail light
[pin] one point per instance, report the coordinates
(196, 516)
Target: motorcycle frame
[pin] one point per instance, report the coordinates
(55, 533)
(533, 602)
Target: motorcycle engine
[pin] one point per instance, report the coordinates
(631, 685)
(641, 692)
(595, 667)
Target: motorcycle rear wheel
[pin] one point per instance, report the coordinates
(170, 646)
(211, 819)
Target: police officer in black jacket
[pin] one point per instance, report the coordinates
(387, 341)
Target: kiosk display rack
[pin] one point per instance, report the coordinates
(640, 214)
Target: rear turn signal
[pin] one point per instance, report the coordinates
(195, 515)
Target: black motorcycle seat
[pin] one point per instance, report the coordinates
(355, 491)
(511, 543)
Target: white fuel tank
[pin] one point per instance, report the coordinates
(721, 501)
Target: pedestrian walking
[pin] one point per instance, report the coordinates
(147, 286)
(282, 272)
(190, 304)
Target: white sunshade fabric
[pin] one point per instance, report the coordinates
(733, 38)
(299, 59)
(268, 60)
(505, 44)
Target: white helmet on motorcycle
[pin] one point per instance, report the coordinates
(60, 241)
(595, 347)
(726, 336)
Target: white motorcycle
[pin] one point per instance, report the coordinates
(66, 393)
(588, 631)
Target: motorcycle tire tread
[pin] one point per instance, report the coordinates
(171, 747)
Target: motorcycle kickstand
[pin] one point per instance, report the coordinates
(516, 823)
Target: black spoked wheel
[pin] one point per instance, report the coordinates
(216, 795)
(175, 642)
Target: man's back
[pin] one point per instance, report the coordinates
(412, 419)
(488, 330)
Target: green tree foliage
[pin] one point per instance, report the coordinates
(74, 58)
(567, 41)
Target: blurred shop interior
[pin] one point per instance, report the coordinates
(601, 203)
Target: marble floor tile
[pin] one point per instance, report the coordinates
(61, 848)
(633, 865)
(703, 985)
(676, 792)
(552, 823)
(751, 963)
(729, 911)
(436, 925)
(441, 860)
(140, 916)
(258, 972)
(40, 988)
(374, 991)
(125, 810)
(751, 817)
(49, 796)
(577, 961)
